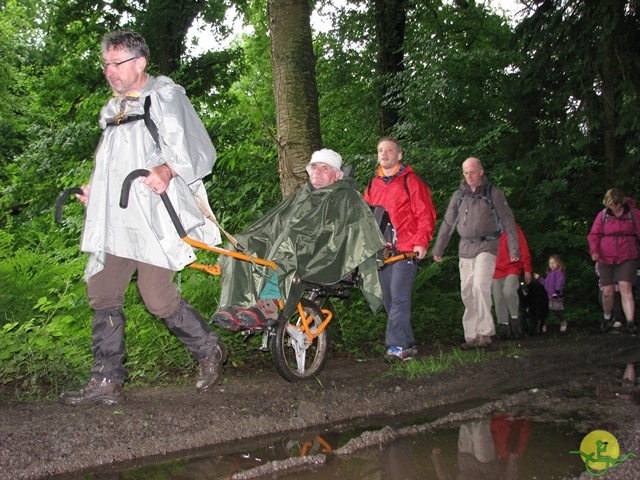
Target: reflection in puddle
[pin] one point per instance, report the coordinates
(500, 447)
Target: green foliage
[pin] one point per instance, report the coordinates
(354, 329)
(442, 362)
(529, 103)
(436, 313)
(56, 159)
(33, 353)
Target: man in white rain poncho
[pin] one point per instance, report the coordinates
(150, 124)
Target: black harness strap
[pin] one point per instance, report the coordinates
(153, 129)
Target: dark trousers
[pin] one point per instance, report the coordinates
(106, 291)
(397, 281)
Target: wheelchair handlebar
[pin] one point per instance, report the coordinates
(400, 256)
(62, 198)
(124, 199)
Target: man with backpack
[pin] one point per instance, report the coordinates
(480, 213)
(407, 199)
(148, 124)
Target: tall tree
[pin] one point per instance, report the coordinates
(390, 20)
(582, 69)
(294, 85)
(165, 23)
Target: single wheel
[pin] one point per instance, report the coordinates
(294, 358)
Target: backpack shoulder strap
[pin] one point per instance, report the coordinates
(487, 192)
(151, 126)
(406, 186)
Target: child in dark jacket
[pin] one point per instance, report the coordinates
(554, 286)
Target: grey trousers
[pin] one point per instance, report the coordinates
(505, 297)
(396, 280)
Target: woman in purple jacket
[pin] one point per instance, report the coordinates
(613, 243)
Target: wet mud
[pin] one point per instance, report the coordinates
(575, 379)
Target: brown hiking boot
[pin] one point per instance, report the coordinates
(484, 342)
(469, 344)
(95, 391)
(211, 367)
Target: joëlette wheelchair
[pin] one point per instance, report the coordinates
(300, 344)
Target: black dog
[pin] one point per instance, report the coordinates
(534, 307)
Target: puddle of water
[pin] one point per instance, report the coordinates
(476, 449)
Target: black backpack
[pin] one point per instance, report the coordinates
(384, 222)
(386, 227)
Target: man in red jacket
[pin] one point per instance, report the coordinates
(407, 199)
(506, 280)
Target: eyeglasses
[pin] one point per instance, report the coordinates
(472, 172)
(116, 64)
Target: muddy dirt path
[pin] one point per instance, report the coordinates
(555, 376)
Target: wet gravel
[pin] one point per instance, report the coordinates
(553, 376)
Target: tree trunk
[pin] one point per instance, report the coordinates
(390, 21)
(296, 93)
(612, 18)
(164, 24)
(609, 104)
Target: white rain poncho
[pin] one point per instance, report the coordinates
(144, 231)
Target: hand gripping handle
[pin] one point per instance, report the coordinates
(124, 199)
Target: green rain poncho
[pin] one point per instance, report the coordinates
(317, 235)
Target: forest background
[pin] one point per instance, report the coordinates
(548, 100)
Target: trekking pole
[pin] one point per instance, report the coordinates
(62, 198)
(124, 203)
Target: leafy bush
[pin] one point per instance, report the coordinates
(34, 354)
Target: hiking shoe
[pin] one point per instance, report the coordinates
(95, 391)
(504, 331)
(469, 344)
(631, 328)
(484, 341)
(606, 325)
(563, 327)
(395, 354)
(211, 367)
(516, 327)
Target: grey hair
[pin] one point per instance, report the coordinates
(133, 42)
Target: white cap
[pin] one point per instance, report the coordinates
(325, 156)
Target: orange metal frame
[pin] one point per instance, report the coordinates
(306, 321)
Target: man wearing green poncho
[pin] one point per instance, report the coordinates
(319, 234)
